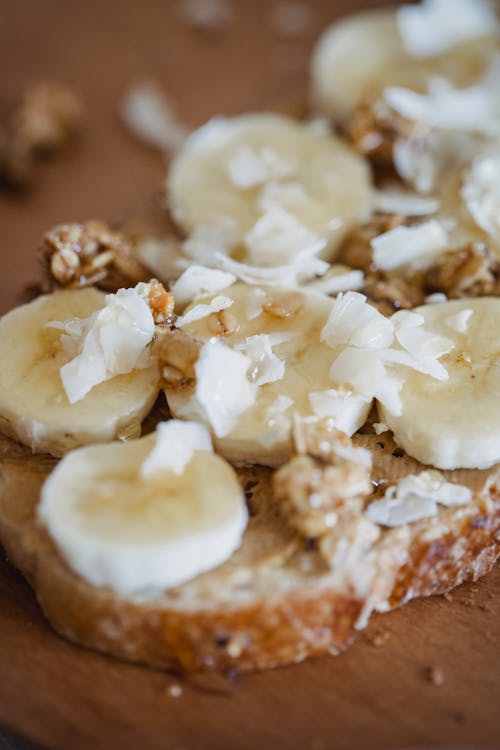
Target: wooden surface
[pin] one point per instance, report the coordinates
(381, 693)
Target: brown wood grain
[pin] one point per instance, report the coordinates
(379, 694)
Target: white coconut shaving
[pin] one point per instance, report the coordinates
(417, 162)
(198, 312)
(278, 237)
(342, 405)
(436, 298)
(473, 109)
(200, 280)
(254, 303)
(279, 276)
(338, 278)
(460, 321)
(415, 497)
(148, 114)
(162, 257)
(249, 167)
(400, 202)
(113, 341)
(419, 245)
(223, 391)
(380, 427)
(176, 443)
(481, 192)
(265, 366)
(353, 322)
(276, 422)
(434, 26)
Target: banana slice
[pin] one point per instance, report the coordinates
(34, 407)
(268, 187)
(455, 423)
(263, 365)
(139, 532)
(358, 57)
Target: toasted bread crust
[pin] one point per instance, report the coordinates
(459, 545)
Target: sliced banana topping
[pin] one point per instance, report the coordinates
(252, 380)
(266, 188)
(363, 54)
(56, 391)
(454, 422)
(143, 516)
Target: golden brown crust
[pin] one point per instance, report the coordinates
(268, 630)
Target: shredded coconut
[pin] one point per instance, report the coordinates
(198, 312)
(113, 341)
(473, 109)
(278, 276)
(408, 204)
(338, 279)
(265, 366)
(436, 298)
(223, 390)
(276, 423)
(149, 116)
(416, 496)
(200, 280)
(353, 322)
(176, 442)
(460, 321)
(340, 404)
(435, 26)
(419, 245)
(380, 428)
(481, 192)
(279, 236)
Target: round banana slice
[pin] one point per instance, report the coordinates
(269, 186)
(358, 57)
(262, 366)
(455, 423)
(34, 408)
(142, 534)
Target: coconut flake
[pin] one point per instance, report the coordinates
(473, 109)
(149, 116)
(265, 366)
(424, 347)
(176, 442)
(415, 497)
(198, 312)
(278, 236)
(113, 341)
(278, 276)
(435, 26)
(436, 298)
(254, 303)
(223, 390)
(275, 421)
(249, 167)
(353, 322)
(360, 456)
(481, 192)
(416, 161)
(380, 427)
(338, 278)
(419, 245)
(408, 204)
(200, 280)
(459, 321)
(340, 404)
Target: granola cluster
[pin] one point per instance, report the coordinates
(47, 119)
(78, 255)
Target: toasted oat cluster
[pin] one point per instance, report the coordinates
(78, 255)
(49, 116)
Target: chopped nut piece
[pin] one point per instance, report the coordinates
(223, 323)
(390, 292)
(328, 480)
(161, 302)
(472, 271)
(373, 129)
(177, 354)
(77, 255)
(284, 304)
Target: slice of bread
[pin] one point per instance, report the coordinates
(275, 601)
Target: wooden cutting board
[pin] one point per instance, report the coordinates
(426, 675)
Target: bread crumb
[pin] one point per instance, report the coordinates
(435, 675)
(174, 691)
